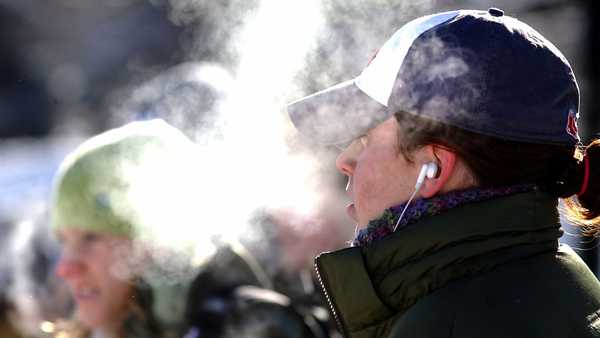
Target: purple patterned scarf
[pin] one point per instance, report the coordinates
(384, 225)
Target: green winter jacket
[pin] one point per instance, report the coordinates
(483, 270)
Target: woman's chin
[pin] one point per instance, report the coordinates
(91, 318)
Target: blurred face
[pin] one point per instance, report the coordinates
(88, 265)
(379, 176)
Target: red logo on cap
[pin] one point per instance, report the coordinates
(572, 125)
(373, 57)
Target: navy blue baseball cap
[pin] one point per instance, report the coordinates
(480, 71)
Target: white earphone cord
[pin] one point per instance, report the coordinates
(405, 207)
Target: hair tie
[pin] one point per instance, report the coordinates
(586, 176)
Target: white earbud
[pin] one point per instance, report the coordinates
(428, 170)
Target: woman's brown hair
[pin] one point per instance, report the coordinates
(494, 162)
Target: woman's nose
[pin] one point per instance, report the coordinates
(69, 267)
(345, 162)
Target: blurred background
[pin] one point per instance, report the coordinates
(73, 68)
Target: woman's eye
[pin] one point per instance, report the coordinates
(363, 140)
(90, 237)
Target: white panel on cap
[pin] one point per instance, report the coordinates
(377, 80)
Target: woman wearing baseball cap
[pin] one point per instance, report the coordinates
(459, 138)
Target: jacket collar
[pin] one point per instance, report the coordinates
(368, 287)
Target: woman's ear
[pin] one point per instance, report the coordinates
(446, 161)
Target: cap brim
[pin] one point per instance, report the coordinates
(336, 115)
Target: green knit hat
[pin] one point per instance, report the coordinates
(93, 187)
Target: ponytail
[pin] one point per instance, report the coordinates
(583, 208)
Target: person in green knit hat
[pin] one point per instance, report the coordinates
(101, 195)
